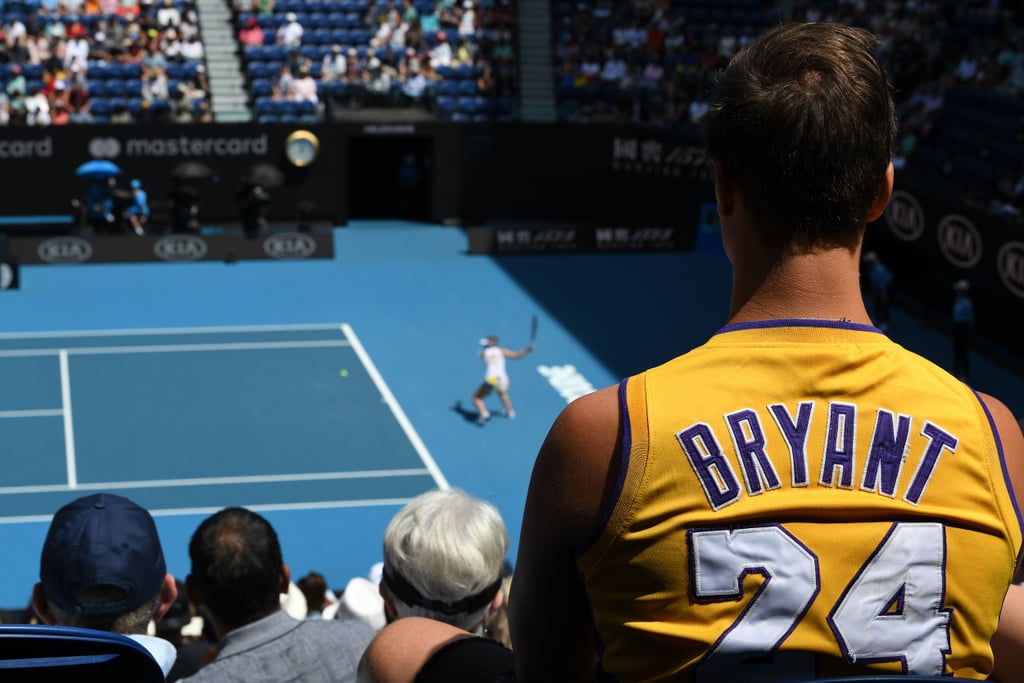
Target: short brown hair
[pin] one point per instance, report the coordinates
(803, 122)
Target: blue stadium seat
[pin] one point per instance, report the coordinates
(317, 36)
(450, 88)
(265, 105)
(41, 652)
(259, 70)
(118, 88)
(262, 87)
(469, 105)
(316, 19)
(286, 108)
(446, 106)
(467, 88)
(100, 106)
(463, 71)
(127, 70)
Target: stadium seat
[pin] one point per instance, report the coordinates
(450, 88)
(446, 105)
(265, 105)
(100, 106)
(469, 105)
(33, 652)
(259, 70)
(262, 87)
(117, 88)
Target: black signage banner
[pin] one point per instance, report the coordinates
(577, 239)
(70, 249)
(930, 241)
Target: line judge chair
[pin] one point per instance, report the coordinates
(64, 653)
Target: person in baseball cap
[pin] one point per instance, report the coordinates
(102, 567)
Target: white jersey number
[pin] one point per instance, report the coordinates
(891, 611)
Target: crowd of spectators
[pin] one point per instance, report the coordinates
(100, 61)
(455, 58)
(957, 69)
(239, 615)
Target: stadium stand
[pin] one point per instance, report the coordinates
(81, 63)
(449, 61)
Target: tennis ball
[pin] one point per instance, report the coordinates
(343, 373)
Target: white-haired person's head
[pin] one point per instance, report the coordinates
(443, 558)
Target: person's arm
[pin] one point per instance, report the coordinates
(517, 354)
(1008, 641)
(1009, 637)
(549, 613)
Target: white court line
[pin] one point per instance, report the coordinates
(215, 481)
(175, 348)
(389, 398)
(47, 412)
(69, 429)
(265, 507)
(431, 466)
(143, 331)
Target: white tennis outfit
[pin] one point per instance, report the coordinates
(495, 374)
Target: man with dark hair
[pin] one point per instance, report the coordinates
(799, 496)
(238, 575)
(102, 567)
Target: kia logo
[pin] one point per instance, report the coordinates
(65, 250)
(1010, 263)
(905, 216)
(104, 148)
(289, 245)
(959, 241)
(180, 248)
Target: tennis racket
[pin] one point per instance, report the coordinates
(533, 329)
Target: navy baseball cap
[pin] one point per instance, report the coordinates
(101, 540)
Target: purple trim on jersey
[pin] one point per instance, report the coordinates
(1002, 460)
(799, 322)
(624, 447)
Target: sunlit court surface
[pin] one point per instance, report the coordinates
(327, 393)
(239, 398)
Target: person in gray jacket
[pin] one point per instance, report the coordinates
(237, 577)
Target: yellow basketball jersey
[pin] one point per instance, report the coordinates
(800, 499)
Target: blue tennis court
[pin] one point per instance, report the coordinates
(193, 386)
(150, 413)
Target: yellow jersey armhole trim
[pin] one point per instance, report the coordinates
(633, 452)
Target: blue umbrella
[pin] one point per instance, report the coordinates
(98, 168)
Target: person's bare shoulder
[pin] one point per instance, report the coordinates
(1009, 431)
(578, 459)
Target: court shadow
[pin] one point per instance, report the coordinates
(468, 414)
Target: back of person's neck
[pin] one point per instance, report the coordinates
(823, 284)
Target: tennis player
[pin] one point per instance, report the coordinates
(495, 376)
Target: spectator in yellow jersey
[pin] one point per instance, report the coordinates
(799, 496)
